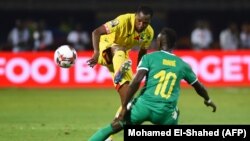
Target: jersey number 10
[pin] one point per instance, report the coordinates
(165, 80)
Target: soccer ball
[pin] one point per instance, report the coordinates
(65, 56)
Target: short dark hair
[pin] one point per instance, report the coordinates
(171, 37)
(145, 10)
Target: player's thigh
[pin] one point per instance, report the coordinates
(139, 113)
(165, 117)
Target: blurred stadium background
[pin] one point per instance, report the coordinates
(40, 102)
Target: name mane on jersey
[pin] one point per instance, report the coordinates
(169, 62)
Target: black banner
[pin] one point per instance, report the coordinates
(164, 132)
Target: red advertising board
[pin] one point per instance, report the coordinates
(37, 69)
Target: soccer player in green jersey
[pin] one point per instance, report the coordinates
(157, 101)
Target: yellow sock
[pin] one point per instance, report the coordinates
(118, 60)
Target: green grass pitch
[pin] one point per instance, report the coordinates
(74, 114)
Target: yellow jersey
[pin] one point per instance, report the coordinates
(121, 31)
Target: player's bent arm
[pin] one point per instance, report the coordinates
(96, 34)
(134, 86)
(201, 90)
(132, 89)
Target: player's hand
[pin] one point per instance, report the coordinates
(211, 104)
(93, 61)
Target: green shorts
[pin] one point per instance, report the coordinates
(156, 113)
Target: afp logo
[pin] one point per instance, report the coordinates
(233, 133)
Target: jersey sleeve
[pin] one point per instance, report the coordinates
(189, 75)
(143, 64)
(115, 24)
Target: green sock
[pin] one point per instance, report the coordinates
(102, 134)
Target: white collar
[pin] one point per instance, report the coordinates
(167, 52)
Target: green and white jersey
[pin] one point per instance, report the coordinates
(165, 72)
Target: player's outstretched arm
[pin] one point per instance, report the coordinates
(201, 90)
(132, 89)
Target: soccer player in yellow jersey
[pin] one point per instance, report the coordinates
(113, 40)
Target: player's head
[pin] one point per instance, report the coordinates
(143, 18)
(166, 39)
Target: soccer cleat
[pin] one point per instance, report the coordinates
(124, 68)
